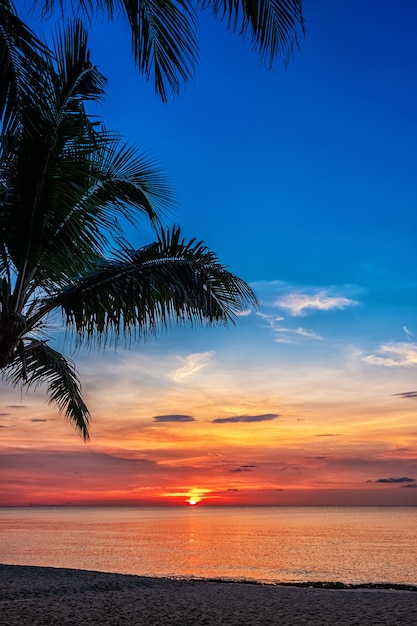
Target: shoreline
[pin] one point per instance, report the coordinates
(37, 596)
(310, 584)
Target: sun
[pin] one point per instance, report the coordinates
(194, 497)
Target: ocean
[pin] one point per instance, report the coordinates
(352, 545)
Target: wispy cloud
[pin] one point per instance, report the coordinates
(298, 303)
(302, 332)
(408, 332)
(173, 418)
(191, 364)
(307, 333)
(286, 334)
(246, 418)
(396, 354)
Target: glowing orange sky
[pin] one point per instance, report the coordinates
(219, 435)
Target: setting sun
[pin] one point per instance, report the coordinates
(195, 496)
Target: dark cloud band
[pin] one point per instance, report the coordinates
(246, 418)
(173, 418)
(393, 480)
(407, 394)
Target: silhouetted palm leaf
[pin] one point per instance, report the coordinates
(22, 61)
(272, 25)
(142, 290)
(44, 366)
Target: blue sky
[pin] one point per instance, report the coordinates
(303, 181)
(304, 165)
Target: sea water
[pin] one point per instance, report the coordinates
(268, 544)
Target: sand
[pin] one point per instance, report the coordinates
(41, 595)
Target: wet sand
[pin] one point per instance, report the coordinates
(38, 596)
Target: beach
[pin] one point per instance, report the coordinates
(39, 596)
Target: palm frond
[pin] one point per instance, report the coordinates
(64, 206)
(77, 80)
(273, 25)
(88, 195)
(169, 281)
(43, 365)
(30, 162)
(22, 61)
(164, 41)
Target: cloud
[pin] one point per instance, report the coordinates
(396, 354)
(303, 332)
(408, 332)
(192, 363)
(407, 394)
(246, 418)
(38, 420)
(394, 480)
(307, 333)
(173, 418)
(409, 486)
(297, 303)
(274, 320)
(243, 468)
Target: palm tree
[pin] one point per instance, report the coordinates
(164, 32)
(67, 186)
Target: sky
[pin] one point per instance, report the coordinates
(303, 181)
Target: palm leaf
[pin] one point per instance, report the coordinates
(143, 290)
(88, 196)
(164, 41)
(30, 162)
(63, 207)
(272, 25)
(22, 61)
(43, 365)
